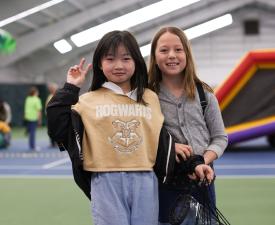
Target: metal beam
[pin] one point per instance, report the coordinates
(12, 7)
(267, 2)
(29, 43)
(196, 17)
(77, 5)
(143, 33)
(49, 14)
(28, 24)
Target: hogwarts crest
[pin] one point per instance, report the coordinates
(125, 138)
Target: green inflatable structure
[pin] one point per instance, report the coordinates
(7, 42)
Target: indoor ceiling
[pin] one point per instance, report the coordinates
(36, 33)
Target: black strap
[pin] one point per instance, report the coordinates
(202, 96)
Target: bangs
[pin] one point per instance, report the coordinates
(112, 45)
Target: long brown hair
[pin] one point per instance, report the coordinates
(190, 77)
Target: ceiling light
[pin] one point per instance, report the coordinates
(209, 26)
(129, 20)
(62, 46)
(29, 12)
(198, 30)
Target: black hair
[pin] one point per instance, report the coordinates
(110, 42)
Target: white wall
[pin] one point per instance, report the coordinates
(218, 53)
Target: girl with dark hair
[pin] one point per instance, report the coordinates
(172, 74)
(107, 48)
(5, 130)
(112, 133)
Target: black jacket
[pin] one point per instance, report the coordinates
(66, 128)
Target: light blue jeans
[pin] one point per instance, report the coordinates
(124, 198)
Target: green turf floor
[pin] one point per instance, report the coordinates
(60, 202)
(247, 201)
(20, 133)
(42, 202)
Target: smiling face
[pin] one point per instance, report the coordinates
(118, 67)
(170, 55)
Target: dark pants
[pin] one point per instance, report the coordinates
(31, 126)
(168, 196)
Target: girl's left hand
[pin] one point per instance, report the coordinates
(203, 171)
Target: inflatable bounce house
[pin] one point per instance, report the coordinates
(247, 98)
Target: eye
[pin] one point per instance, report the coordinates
(163, 50)
(179, 50)
(109, 58)
(127, 58)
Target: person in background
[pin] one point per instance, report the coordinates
(173, 76)
(52, 88)
(32, 116)
(5, 112)
(5, 130)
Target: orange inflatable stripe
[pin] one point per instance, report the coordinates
(248, 125)
(241, 83)
(233, 78)
(238, 86)
(262, 58)
(266, 65)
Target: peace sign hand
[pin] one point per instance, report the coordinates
(76, 74)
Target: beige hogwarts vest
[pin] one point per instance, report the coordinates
(119, 134)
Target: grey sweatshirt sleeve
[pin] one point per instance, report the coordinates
(218, 137)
